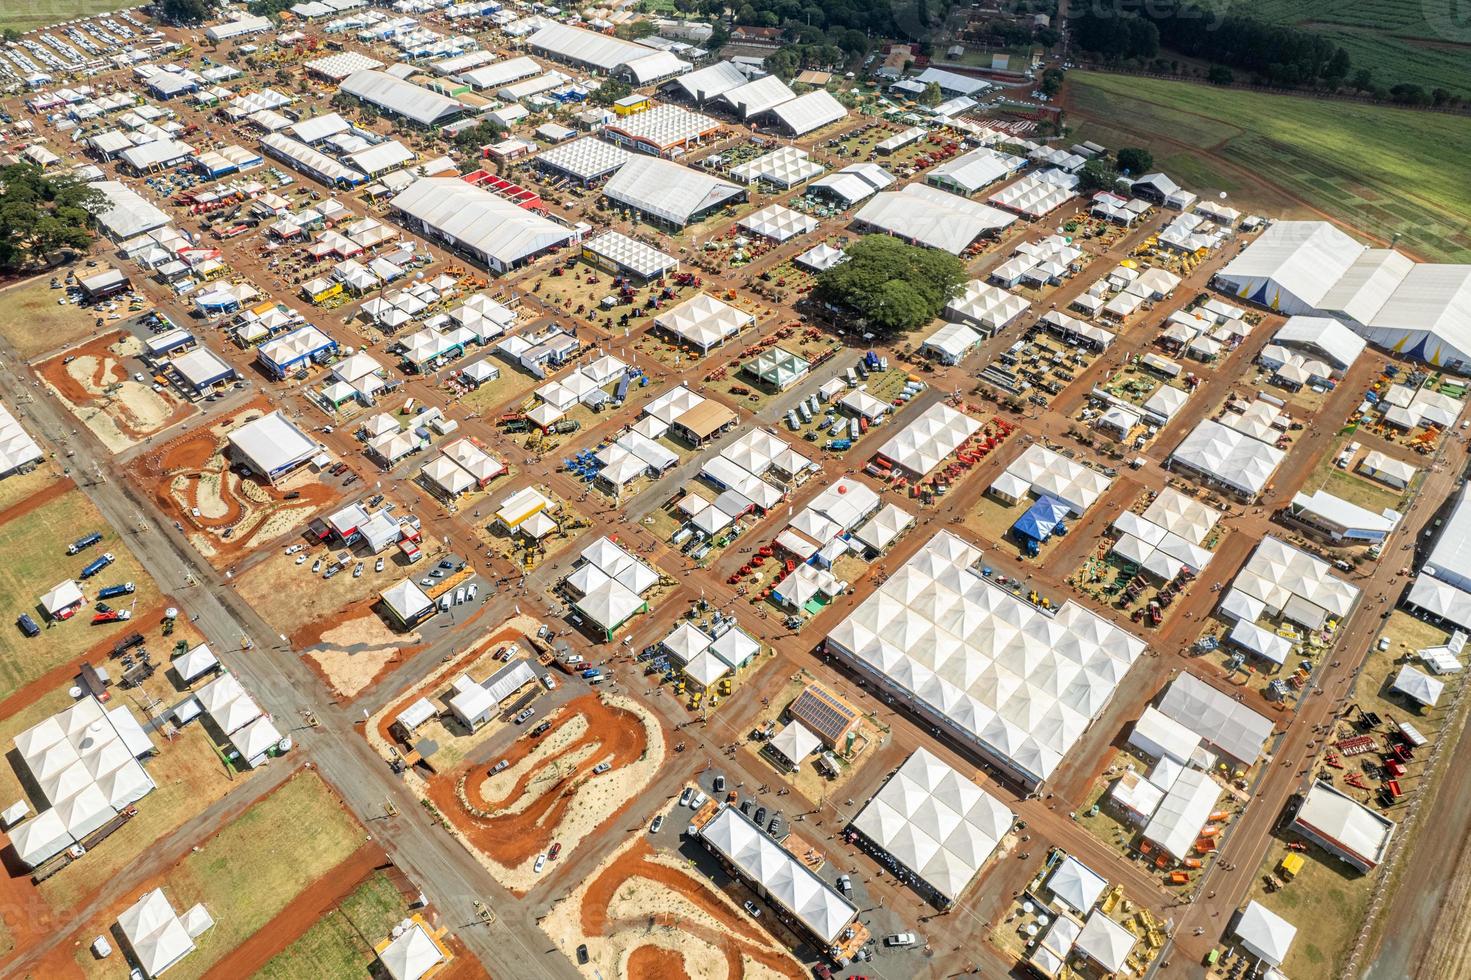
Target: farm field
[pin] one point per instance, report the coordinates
(1398, 40)
(37, 323)
(1383, 172)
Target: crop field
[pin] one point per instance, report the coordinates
(1387, 173)
(340, 943)
(1417, 41)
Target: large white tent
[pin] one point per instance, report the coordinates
(779, 874)
(496, 231)
(669, 191)
(778, 223)
(1288, 582)
(401, 97)
(1229, 726)
(986, 306)
(412, 954)
(936, 433)
(935, 822)
(1020, 684)
(1044, 473)
(929, 216)
(1344, 826)
(786, 166)
(1418, 686)
(1182, 814)
(155, 933)
(704, 321)
(1228, 456)
(1105, 942)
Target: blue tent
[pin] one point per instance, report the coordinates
(1041, 521)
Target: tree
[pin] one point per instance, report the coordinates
(1220, 75)
(1135, 160)
(187, 11)
(891, 285)
(611, 91)
(40, 215)
(931, 96)
(633, 30)
(1097, 175)
(1363, 79)
(10, 34)
(1052, 82)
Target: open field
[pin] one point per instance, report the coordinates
(36, 560)
(14, 489)
(29, 16)
(36, 323)
(1398, 40)
(340, 943)
(1383, 170)
(244, 884)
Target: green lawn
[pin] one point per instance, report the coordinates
(29, 15)
(1398, 40)
(1386, 171)
(35, 561)
(254, 867)
(340, 944)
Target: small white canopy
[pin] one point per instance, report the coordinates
(705, 668)
(153, 930)
(195, 663)
(795, 742)
(1105, 942)
(1418, 685)
(1264, 933)
(1076, 885)
(413, 954)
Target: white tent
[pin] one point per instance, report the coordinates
(935, 822)
(778, 223)
(986, 306)
(1105, 942)
(42, 837)
(1228, 456)
(795, 742)
(936, 433)
(412, 954)
(154, 932)
(1219, 719)
(667, 190)
(1076, 885)
(1417, 685)
(780, 874)
(1182, 814)
(952, 341)
(704, 321)
(1264, 934)
(929, 216)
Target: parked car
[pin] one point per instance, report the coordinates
(751, 909)
(686, 796)
(700, 800)
(541, 729)
(541, 862)
(524, 715)
(581, 954)
(27, 625)
(655, 826)
(549, 682)
(900, 939)
(759, 816)
(845, 885)
(601, 768)
(500, 766)
(719, 784)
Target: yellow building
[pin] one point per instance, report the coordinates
(630, 104)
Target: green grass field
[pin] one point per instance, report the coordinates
(1383, 171)
(254, 867)
(35, 561)
(1418, 41)
(27, 15)
(340, 944)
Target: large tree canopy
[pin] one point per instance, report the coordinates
(41, 214)
(892, 285)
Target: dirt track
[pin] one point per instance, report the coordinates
(738, 939)
(615, 737)
(35, 500)
(655, 961)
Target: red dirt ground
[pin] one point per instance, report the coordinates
(738, 936)
(37, 499)
(56, 375)
(510, 839)
(648, 962)
(187, 456)
(299, 915)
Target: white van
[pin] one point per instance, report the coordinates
(459, 595)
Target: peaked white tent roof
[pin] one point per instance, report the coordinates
(932, 217)
(936, 433)
(1418, 685)
(795, 742)
(785, 166)
(1105, 942)
(153, 930)
(668, 190)
(1218, 718)
(704, 321)
(1183, 812)
(807, 112)
(778, 223)
(410, 956)
(1351, 826)
(1050, 474)
(483, 221)
(1020, 683)
(1264, 933)
(782, 876)
(401, 97)
(1076, 884)
(1228, 456)
(935, 822)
